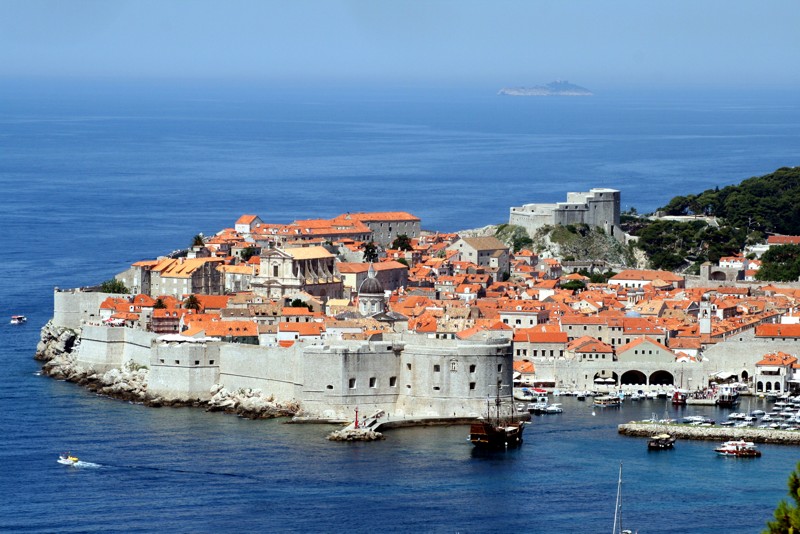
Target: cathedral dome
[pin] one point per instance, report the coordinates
(371, 286)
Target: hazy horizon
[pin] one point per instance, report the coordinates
(599, 45)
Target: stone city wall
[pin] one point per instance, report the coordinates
(103, 347)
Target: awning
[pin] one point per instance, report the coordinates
(610, 381)
(724, 375)
(599, 380)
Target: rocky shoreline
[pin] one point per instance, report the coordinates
(56, 349)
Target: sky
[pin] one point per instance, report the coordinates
(690, 43)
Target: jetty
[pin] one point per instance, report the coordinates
(711, 433)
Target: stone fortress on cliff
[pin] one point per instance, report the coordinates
(600, 207)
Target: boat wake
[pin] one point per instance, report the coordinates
(89, 465)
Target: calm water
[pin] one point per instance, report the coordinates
(92, 183)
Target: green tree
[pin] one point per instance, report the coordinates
(113, 286)
(197, 241)
(191, 303)
(402, 242)
(248, 253)
(370, 252)
(573, 285)
(159, 305)
(787, 514)
(780, 264)
(297, 303)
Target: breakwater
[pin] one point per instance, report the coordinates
(756, 435)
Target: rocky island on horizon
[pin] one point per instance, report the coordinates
(556, 88)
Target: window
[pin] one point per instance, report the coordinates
(329, 386)
(472, 368)
(436, 388)
(372, 381)
(210, 362)
(436, 368)
(352, 383)
(197, 362)
(392, 381)
(472, 385)
(161, 360)
(499, 367)
(177, 362)
(453, 365)
(274, 270)
(408, 366)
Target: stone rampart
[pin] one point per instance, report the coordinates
(273, 370)
(73, 307)
(103, 347)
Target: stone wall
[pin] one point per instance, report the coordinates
(73, 307)
(103, 347)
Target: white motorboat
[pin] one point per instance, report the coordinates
(18, 319)
(68, 459)
(554, 408)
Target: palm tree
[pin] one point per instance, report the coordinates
(197, 241)
(191, 303)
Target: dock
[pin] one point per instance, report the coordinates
(711, 433)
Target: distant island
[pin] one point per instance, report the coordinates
(557, 88)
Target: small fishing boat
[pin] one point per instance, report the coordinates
(18, 319)
(739, 449)
(67, 459)
(660, 442)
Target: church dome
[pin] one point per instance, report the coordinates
(371, 286)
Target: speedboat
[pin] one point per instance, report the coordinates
(18, 319)
(68, 459)
(553, 408)
(739, 449)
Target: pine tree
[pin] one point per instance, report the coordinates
(787, 515)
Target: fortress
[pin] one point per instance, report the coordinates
(406, 375)
(599, 207)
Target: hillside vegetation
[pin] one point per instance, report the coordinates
(769, 203)
(744, 213)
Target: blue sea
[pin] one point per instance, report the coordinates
(94, 176)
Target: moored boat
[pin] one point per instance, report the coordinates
(739, 449)
(661, 442)
(679, 397)
(727, 397)
(607, 401)
(18, 319)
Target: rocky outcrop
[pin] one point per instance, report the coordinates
(56, 341)
(249, 403)
(355, 434)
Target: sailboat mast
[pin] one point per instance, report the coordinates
(618, 508)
